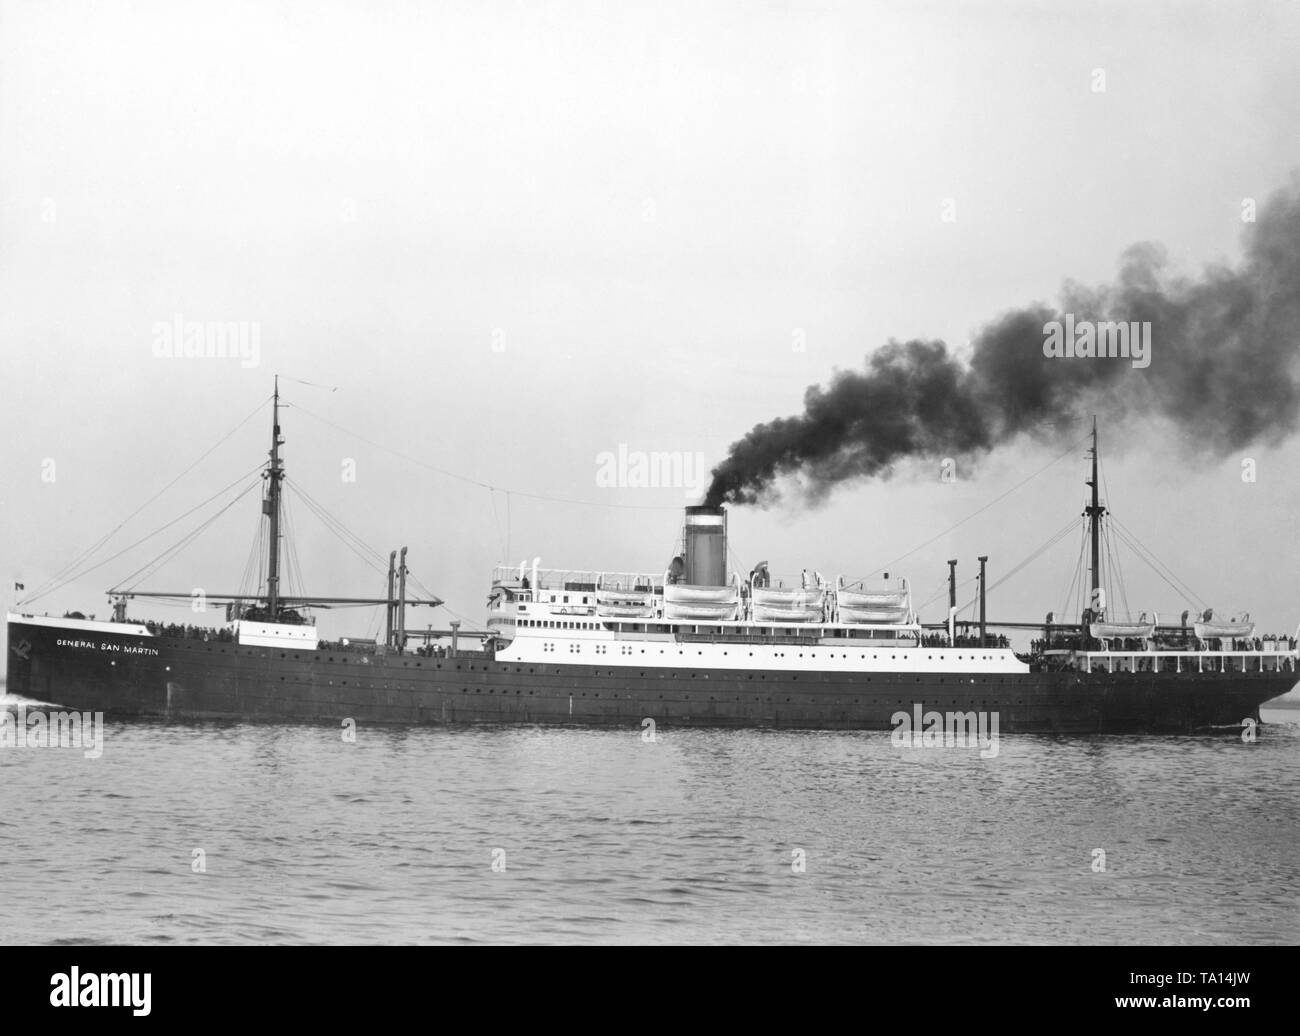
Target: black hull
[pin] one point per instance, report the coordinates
(191, 679)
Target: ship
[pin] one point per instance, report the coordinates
(688, 646)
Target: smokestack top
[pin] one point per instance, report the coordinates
(704, 543)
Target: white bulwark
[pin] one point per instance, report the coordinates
(606, 645)
(130, 629)
(275, 634)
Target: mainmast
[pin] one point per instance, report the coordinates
(1094, 513)
(271, 508)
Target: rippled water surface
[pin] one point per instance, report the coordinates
(605, 837)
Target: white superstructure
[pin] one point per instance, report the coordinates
(644, 621)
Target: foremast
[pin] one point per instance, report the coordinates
(271, 508)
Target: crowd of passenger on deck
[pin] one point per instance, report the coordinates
(190, 632)
(991, 640)
(1067, 642)
(226, 636)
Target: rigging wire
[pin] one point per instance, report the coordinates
(326, 516)
(360, 547)
(1182, 592)
(1070, 597)
(942, 589)
(49, 586)
(252, 568)
(1082, 589)
(309, 384)
(1129, 538)
(1111, 573)
(1030, 559)
(1112, 576)
(418, 583)
(346, 537)
(353, 542)
(86, 571)
(496, 521)
(934, 597)
(1118, 576)
(464, 621)
(902, 557)
(293, 565)
(738, 562)
(167, 555)
(263, 538)
(476, 482)
(1182, 589)
(286, 537)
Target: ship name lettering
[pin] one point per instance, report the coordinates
(126, 649)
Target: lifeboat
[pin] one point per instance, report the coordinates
(1113, 630)
(883, 607)
(625, 604)
(1234, 629)
(793, 605)
(880, 616)
(717, 603)
(684, 593)
(872, 598)
(625, 611)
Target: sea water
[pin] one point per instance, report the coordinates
(236, 833)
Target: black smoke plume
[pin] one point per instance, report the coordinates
(1223, 371)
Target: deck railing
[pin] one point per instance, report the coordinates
(1177, 661)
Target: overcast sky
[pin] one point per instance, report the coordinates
(508, 238)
